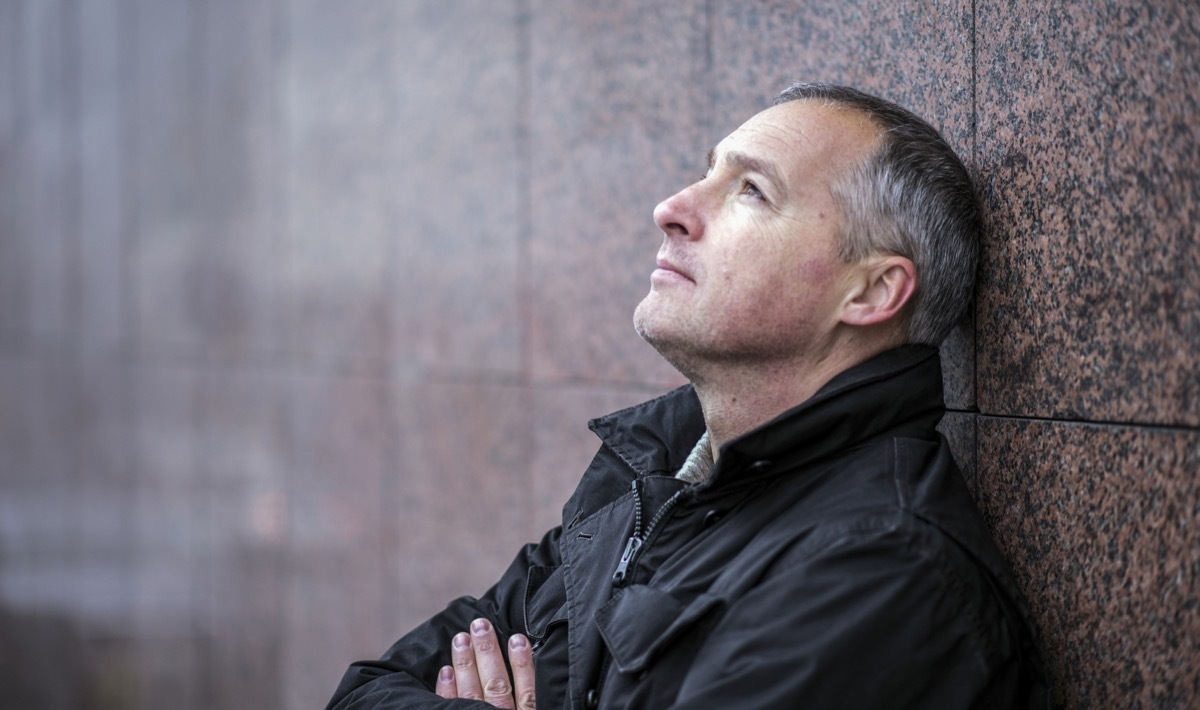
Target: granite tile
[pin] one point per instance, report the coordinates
(101, 414)
(1089, 148)
(1100, 524)
(912, 53)
(168, 263)
(958, 366)
(166, 423)
(242, 458)
(338, 149)
(248, 629)
(100, 32)
(458, 495)
(458, 190)
(168, 671)
(22, 407)
(112, 676)
(205, 258)
(38, 482)
(237, 270)
(13, 279)
(339, 442)
(47, 81)
(332, 617)
(242, 519)
(103, 511)
(616, 125)
(37, 647)
(14, 453)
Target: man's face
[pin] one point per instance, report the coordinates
(749, 267)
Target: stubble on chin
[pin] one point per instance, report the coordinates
(672, 349)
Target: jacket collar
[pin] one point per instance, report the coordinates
(898, 392)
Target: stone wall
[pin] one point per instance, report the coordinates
(304, 306)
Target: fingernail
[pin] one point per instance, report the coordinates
(446, 674)
(462, 641)
(518, 642)
(479, 626)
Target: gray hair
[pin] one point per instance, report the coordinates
(913, 197)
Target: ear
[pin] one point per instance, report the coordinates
(887, 285)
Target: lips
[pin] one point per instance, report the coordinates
(670, 267)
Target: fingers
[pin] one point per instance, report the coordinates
(520, 655)
(446, 687)
(480, 673)
(489, 660)
(466, 677)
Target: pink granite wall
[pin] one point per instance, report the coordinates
(303, 307)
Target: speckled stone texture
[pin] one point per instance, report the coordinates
(338, 148)
(458, 223)
(460, 505)
(1101, 524)
(1089, 303)
(304, 308)
(341, 435)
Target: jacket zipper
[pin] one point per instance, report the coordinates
(635, 541)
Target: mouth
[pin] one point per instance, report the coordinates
(668, 270)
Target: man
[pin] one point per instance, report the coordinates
(789, 530)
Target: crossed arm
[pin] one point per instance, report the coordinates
(479, 672)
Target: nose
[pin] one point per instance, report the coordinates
(678, 216)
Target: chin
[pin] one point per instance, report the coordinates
(640, 316)
(669, 345)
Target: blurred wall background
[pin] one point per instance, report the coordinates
(304, 305)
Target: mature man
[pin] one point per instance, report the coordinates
(789, 530)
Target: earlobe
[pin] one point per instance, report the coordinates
(888, 285)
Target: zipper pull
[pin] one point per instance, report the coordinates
(631, 548)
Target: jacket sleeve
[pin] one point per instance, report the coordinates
(405, 676)
(880, 619)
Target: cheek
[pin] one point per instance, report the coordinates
(816, 272)
(798, 292)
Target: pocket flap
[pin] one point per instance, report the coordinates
(640, 620)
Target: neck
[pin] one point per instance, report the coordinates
(736, 399)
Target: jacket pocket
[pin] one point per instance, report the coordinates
(640, 621)
(545, 599)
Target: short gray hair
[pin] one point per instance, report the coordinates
(913, 197)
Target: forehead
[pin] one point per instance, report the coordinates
(805, 137)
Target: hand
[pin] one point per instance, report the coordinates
(479, 672)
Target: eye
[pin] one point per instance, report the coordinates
(749, 188)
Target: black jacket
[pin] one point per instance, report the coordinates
(834, 559)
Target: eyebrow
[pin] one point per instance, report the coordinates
(747, 163)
